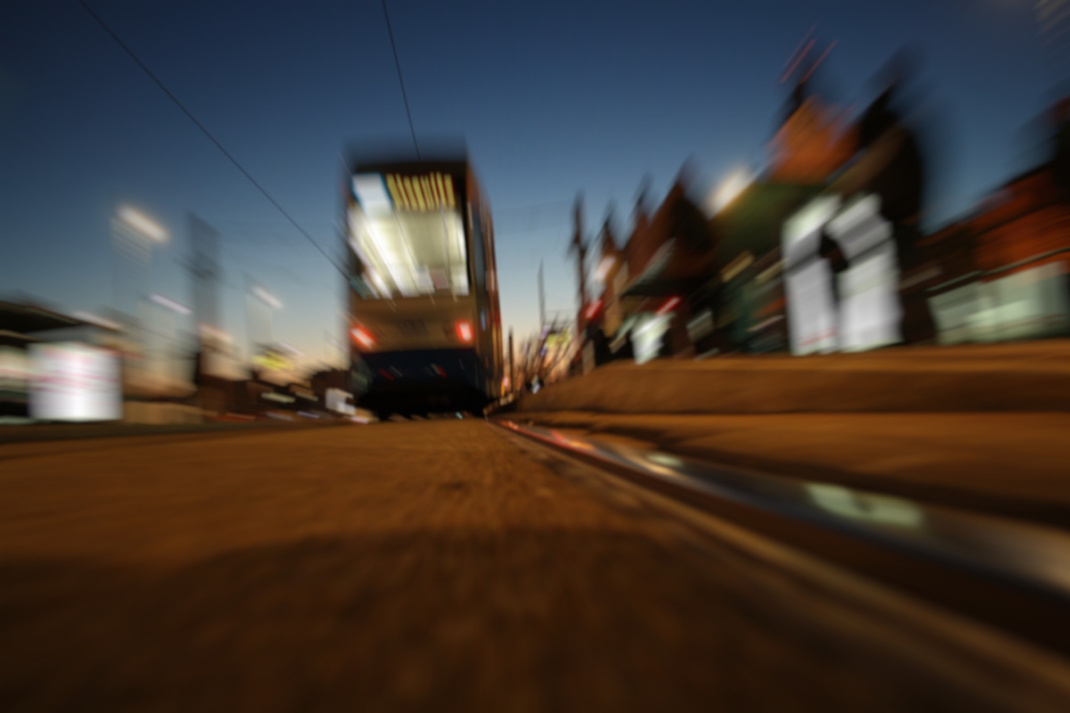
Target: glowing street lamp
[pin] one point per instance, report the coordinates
(171, 335)
(730, 189)
(261, 295)
(133, 236)
(142, 225)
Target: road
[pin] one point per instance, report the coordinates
(432, 565)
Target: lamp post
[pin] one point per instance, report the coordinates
(256, 293)
(171, 334)
(133, 236)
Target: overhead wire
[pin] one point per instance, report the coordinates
(237, 164)
(401, 80)
(532, 210)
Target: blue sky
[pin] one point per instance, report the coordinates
(552, 98)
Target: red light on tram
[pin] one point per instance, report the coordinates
(361, 335)
(669, 306)
(464, 330)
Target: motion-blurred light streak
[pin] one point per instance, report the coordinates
(170, 304)
(142, 224)
(267, 298)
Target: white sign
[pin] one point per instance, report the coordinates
(338, 400)
(870, 312)
(75, 382)
(647, 336)
(811, 307)
(867, 312)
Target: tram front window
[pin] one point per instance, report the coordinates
(411, 254)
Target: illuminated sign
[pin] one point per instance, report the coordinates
(272, 360)
(863, 311)
(421, 193)
(337, 400)
(75, 382)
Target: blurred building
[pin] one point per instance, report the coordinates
(58, 367)
(1025, 225)
(746, 303)
(813, 141)
(612, 272)
(651, 284)
(698, 284)
(1001, 272)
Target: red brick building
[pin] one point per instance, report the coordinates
(1028, 218)
(669, 254)
(1022, 226)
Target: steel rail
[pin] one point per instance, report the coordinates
(1009, 574)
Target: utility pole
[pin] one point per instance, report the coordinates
(512, 365)
(580, 247)
(250, 337)
(204, 275)
(542, 300)
(204, 271)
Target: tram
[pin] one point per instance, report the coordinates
(424, 320)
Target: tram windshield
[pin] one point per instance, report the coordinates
(406, 250)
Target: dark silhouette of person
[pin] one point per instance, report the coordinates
(198, 368)
(606, 353)
(626, 350)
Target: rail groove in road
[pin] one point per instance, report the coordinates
(1003, 574)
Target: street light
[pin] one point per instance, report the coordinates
(265, 297)
(730, 188)
(142, 225)
(133, 236)
(172, 333)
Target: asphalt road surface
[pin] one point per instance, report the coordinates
(430, 565)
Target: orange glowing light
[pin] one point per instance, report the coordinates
(361, 335)
(464, 331)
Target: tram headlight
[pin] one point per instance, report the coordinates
(464, 330)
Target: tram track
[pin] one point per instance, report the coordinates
(1000, 585)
